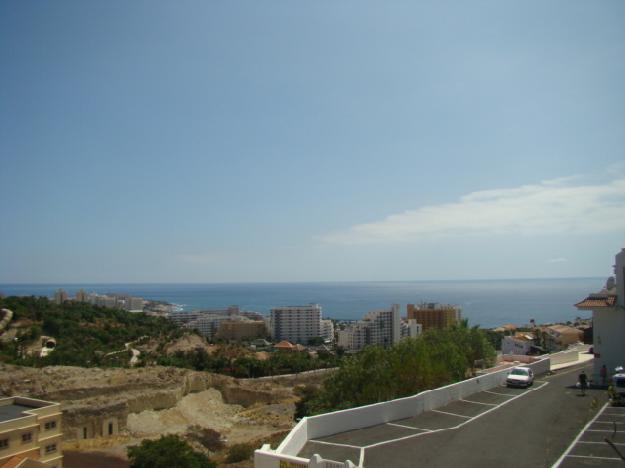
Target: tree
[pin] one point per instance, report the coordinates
(166, 452)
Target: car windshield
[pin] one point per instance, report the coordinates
(518, 372)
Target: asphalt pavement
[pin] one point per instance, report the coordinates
(500, 427)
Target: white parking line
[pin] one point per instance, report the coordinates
(451, 414)
(510, 395)
(479, 403)
(610, 422)
(409, 427)
(334, 443)
(596, 458)
(600, 443)
(602, 430)
(579, 436)
(362, 457)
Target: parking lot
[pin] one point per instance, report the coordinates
(501, 426)
(590, 447)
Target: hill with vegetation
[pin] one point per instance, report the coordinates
(86, 335)
(90, 336)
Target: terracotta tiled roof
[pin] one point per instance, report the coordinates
(595, 301)
(14, 462)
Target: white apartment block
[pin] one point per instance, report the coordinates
(296, 324)
(327, 330)
(377, 328)
(410, 328)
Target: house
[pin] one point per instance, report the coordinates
(521, 343)
(608, 317)
(30, 432)
(560, 337)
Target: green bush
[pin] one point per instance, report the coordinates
(167, 452)
(239, 452)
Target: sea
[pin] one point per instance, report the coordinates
(487, 303)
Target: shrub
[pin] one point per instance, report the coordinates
(239, 452)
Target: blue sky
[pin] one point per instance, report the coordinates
(217, 141)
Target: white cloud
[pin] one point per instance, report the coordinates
(558, 206)
(557, 260)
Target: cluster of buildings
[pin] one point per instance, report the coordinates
(541, 339)
(231, 324)
(111, 301)
(386, 327)
(305, 325)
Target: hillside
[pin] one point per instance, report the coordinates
(85, 335)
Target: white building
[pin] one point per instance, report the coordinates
(327, 330)
(521, 344)
(354, 337)
(377, 328)
(410, 328)
(296, 324)
(134, 304)
(608, 318)
(60, 296)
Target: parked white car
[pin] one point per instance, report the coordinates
(520, 376)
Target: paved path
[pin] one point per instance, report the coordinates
(499, 427)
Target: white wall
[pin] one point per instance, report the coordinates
(608, 341)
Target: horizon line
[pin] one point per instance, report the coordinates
(51, 283)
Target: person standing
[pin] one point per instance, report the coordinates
(583, 382)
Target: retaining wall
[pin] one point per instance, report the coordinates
(569, 355)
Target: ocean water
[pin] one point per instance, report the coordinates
(487, 303)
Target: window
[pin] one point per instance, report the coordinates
(110, 428)
(27, 437)
(51, 448)
(49, 425)
(4, 443)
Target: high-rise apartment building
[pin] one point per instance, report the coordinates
(30, 429)
(377, 328)
(82, 296)
(296, 324)
(434, 315)
(327, 330)
(60, 296)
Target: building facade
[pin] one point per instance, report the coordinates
(608, 317)
(239, 330)
(410, 328)
(434, 315)
(31, 428)
(377, 328)
(60, 296)
(296, 324)
(327, 330)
